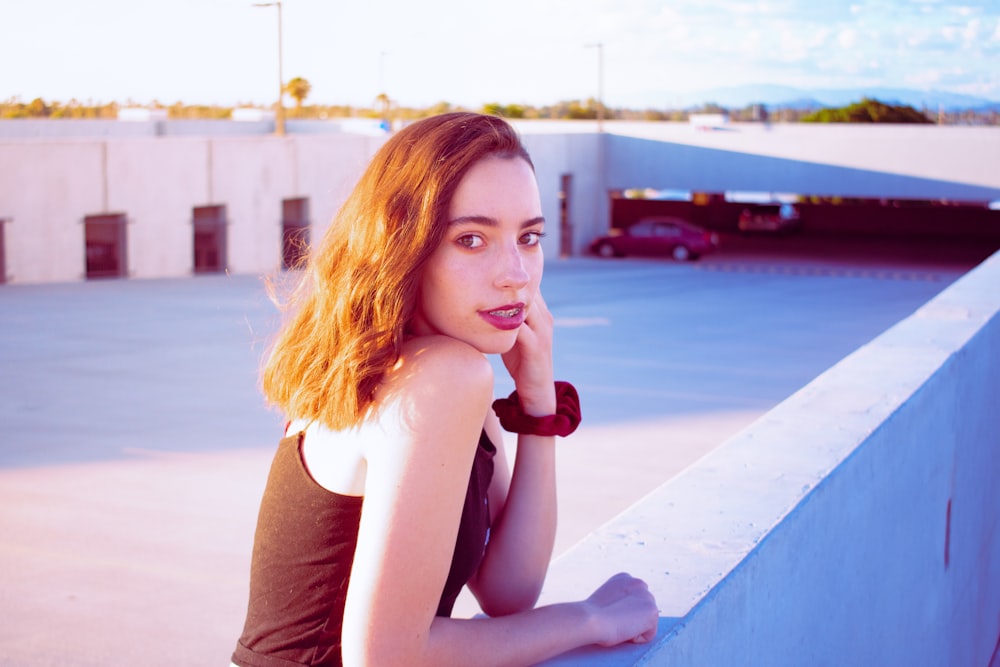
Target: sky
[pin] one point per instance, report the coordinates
(419, 52)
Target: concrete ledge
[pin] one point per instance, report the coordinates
(856, 523)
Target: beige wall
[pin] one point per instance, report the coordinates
(48, 186)
(44, 194)
(155, 183)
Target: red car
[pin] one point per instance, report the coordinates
(658, 237)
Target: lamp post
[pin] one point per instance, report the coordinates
(279, 112)
(381, 71)
(600, 83)
(601, 207)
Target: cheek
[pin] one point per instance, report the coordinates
(438, 290)
(535, 269)
(454, 274)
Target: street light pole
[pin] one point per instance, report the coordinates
(381, 72)
(279, 112)
(601, 207)
(600, 83)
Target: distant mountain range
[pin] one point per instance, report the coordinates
(738, 97)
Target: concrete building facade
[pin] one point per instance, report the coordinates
(132, 194)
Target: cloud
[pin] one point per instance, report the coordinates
(464, 52)
(964, 10)
(848, 38)
(927, 78)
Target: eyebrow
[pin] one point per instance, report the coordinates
(491, 222)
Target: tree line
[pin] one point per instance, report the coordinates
(298, 88)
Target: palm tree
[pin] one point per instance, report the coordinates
(299, 89)
(383, 105)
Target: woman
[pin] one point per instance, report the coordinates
(391, 490)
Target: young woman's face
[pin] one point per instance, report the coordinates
(479, 284)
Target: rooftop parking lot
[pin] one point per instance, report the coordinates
(135, 443)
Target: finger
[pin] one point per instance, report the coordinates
(645, 637)
(539, 320)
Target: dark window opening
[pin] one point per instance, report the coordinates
(209, 239)
(294, 232)
(3, 252)
(105, 245)
(565, 224)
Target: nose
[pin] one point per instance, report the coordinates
(511, 272)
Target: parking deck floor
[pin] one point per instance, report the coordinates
(135, 444)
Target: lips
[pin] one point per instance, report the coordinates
(506, 317)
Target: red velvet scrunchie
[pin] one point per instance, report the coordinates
(562, 423)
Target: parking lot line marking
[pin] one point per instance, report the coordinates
(826, 271)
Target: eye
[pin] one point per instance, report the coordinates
(470, 241)
(532, 238)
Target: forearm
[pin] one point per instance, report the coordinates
(620, 610)
(520, 639)
(520, 548)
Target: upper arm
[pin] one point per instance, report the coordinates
(432, 411)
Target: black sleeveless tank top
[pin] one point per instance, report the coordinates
(302, 556)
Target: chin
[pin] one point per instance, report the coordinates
(495, 346)
(485, 342)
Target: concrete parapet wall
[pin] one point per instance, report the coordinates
(857, 523)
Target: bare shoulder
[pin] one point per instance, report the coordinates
(440, 387)
(428, 361)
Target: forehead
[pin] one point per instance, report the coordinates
(497, 183)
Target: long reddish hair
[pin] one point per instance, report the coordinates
(360, 285)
